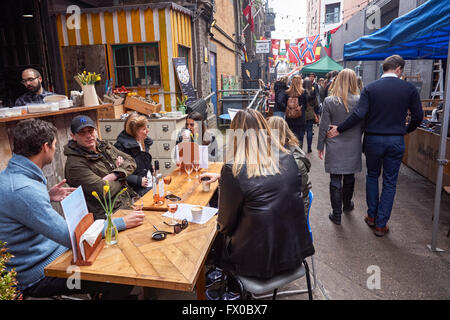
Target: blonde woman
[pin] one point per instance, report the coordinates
(343, 153)
(288, 139)
(134, 141)
(260, 217)
(297, 124)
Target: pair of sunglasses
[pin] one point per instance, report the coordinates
(177, 228)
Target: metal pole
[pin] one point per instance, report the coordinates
(441, 160)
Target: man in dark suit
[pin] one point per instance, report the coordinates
(384, 105)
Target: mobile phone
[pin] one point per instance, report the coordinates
(173, 197)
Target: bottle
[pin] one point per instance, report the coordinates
(155, 182)
(158, 185)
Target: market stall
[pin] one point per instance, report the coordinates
(134, 44)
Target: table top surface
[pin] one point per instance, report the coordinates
(174, 263)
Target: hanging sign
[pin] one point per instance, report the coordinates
(262, 46)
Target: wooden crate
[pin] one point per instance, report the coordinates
(113, 112)
(141, 106)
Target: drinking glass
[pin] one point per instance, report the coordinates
(178, 163)
(172, 205)
(167, 180)
(137, 203)
(188, 168)
(196, 168)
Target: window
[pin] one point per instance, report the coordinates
(184, 52)
(332, 13)
(137, 65)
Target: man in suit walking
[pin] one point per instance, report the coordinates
(384, 105)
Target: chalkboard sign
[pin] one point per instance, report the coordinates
(184, 79)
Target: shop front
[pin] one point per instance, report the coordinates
(131, 45)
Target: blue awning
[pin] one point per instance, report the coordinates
(422, 33)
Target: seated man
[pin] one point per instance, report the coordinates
(34, 232)
(32, 80)
(90, 162)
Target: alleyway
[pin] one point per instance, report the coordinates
(408, 269)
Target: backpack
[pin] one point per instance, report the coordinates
(293, 110)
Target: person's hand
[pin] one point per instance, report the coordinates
(110, 177)
(320, 153)
(119, 161)
(134, 219)
(212, 177)
(332, 132)
(144, 182)
(58, 193)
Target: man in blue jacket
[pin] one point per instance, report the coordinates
(34, 232)
(384, 105)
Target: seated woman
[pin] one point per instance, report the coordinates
(134, 141)
(290, 142)
(261, 218)
(199, 134)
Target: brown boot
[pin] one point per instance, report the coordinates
(370, 221)
(381, 231)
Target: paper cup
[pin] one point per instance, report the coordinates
(196, 213)
(205, 185)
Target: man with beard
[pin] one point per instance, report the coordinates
(32, 80)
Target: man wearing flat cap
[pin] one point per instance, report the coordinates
(90, 162)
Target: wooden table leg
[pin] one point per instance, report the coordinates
(201, 289)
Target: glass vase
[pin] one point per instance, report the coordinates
(111, 233)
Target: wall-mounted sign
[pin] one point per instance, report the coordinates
(184, 79)
(262, 46)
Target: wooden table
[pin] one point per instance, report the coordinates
(175, 263)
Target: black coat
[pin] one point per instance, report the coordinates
(263, 221)
(129, 145)
(280, 96)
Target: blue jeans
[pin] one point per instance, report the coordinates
(279, 114)
(308, 127)
(382, 152)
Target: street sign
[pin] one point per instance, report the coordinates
(262, 46)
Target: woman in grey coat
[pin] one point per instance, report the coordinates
(343, 156)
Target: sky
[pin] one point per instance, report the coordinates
(290, 18)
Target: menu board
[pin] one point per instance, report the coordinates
(184, 79)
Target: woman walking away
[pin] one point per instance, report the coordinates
(134, 141)
(288, 139)
(312, 110)
(280, 97)
(296, 108)
(343, 156)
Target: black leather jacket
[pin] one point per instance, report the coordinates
(129, 145)
(263, 221)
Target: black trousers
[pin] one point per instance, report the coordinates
(50, 286)
(341, 191)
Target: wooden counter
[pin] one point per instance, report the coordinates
(62, 120)
(422, 150)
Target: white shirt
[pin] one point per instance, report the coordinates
(389, 74)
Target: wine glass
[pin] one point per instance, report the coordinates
(178, 163)
(172, 205)
(167, 180)
(188, 168)
(196, 168)
(137, 203)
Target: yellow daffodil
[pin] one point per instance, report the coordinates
(95, 194)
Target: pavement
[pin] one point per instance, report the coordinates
(351, 263)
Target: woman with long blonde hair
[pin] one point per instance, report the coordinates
(296, 91)
(288, 139)
(261, 217)
(343, 153)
